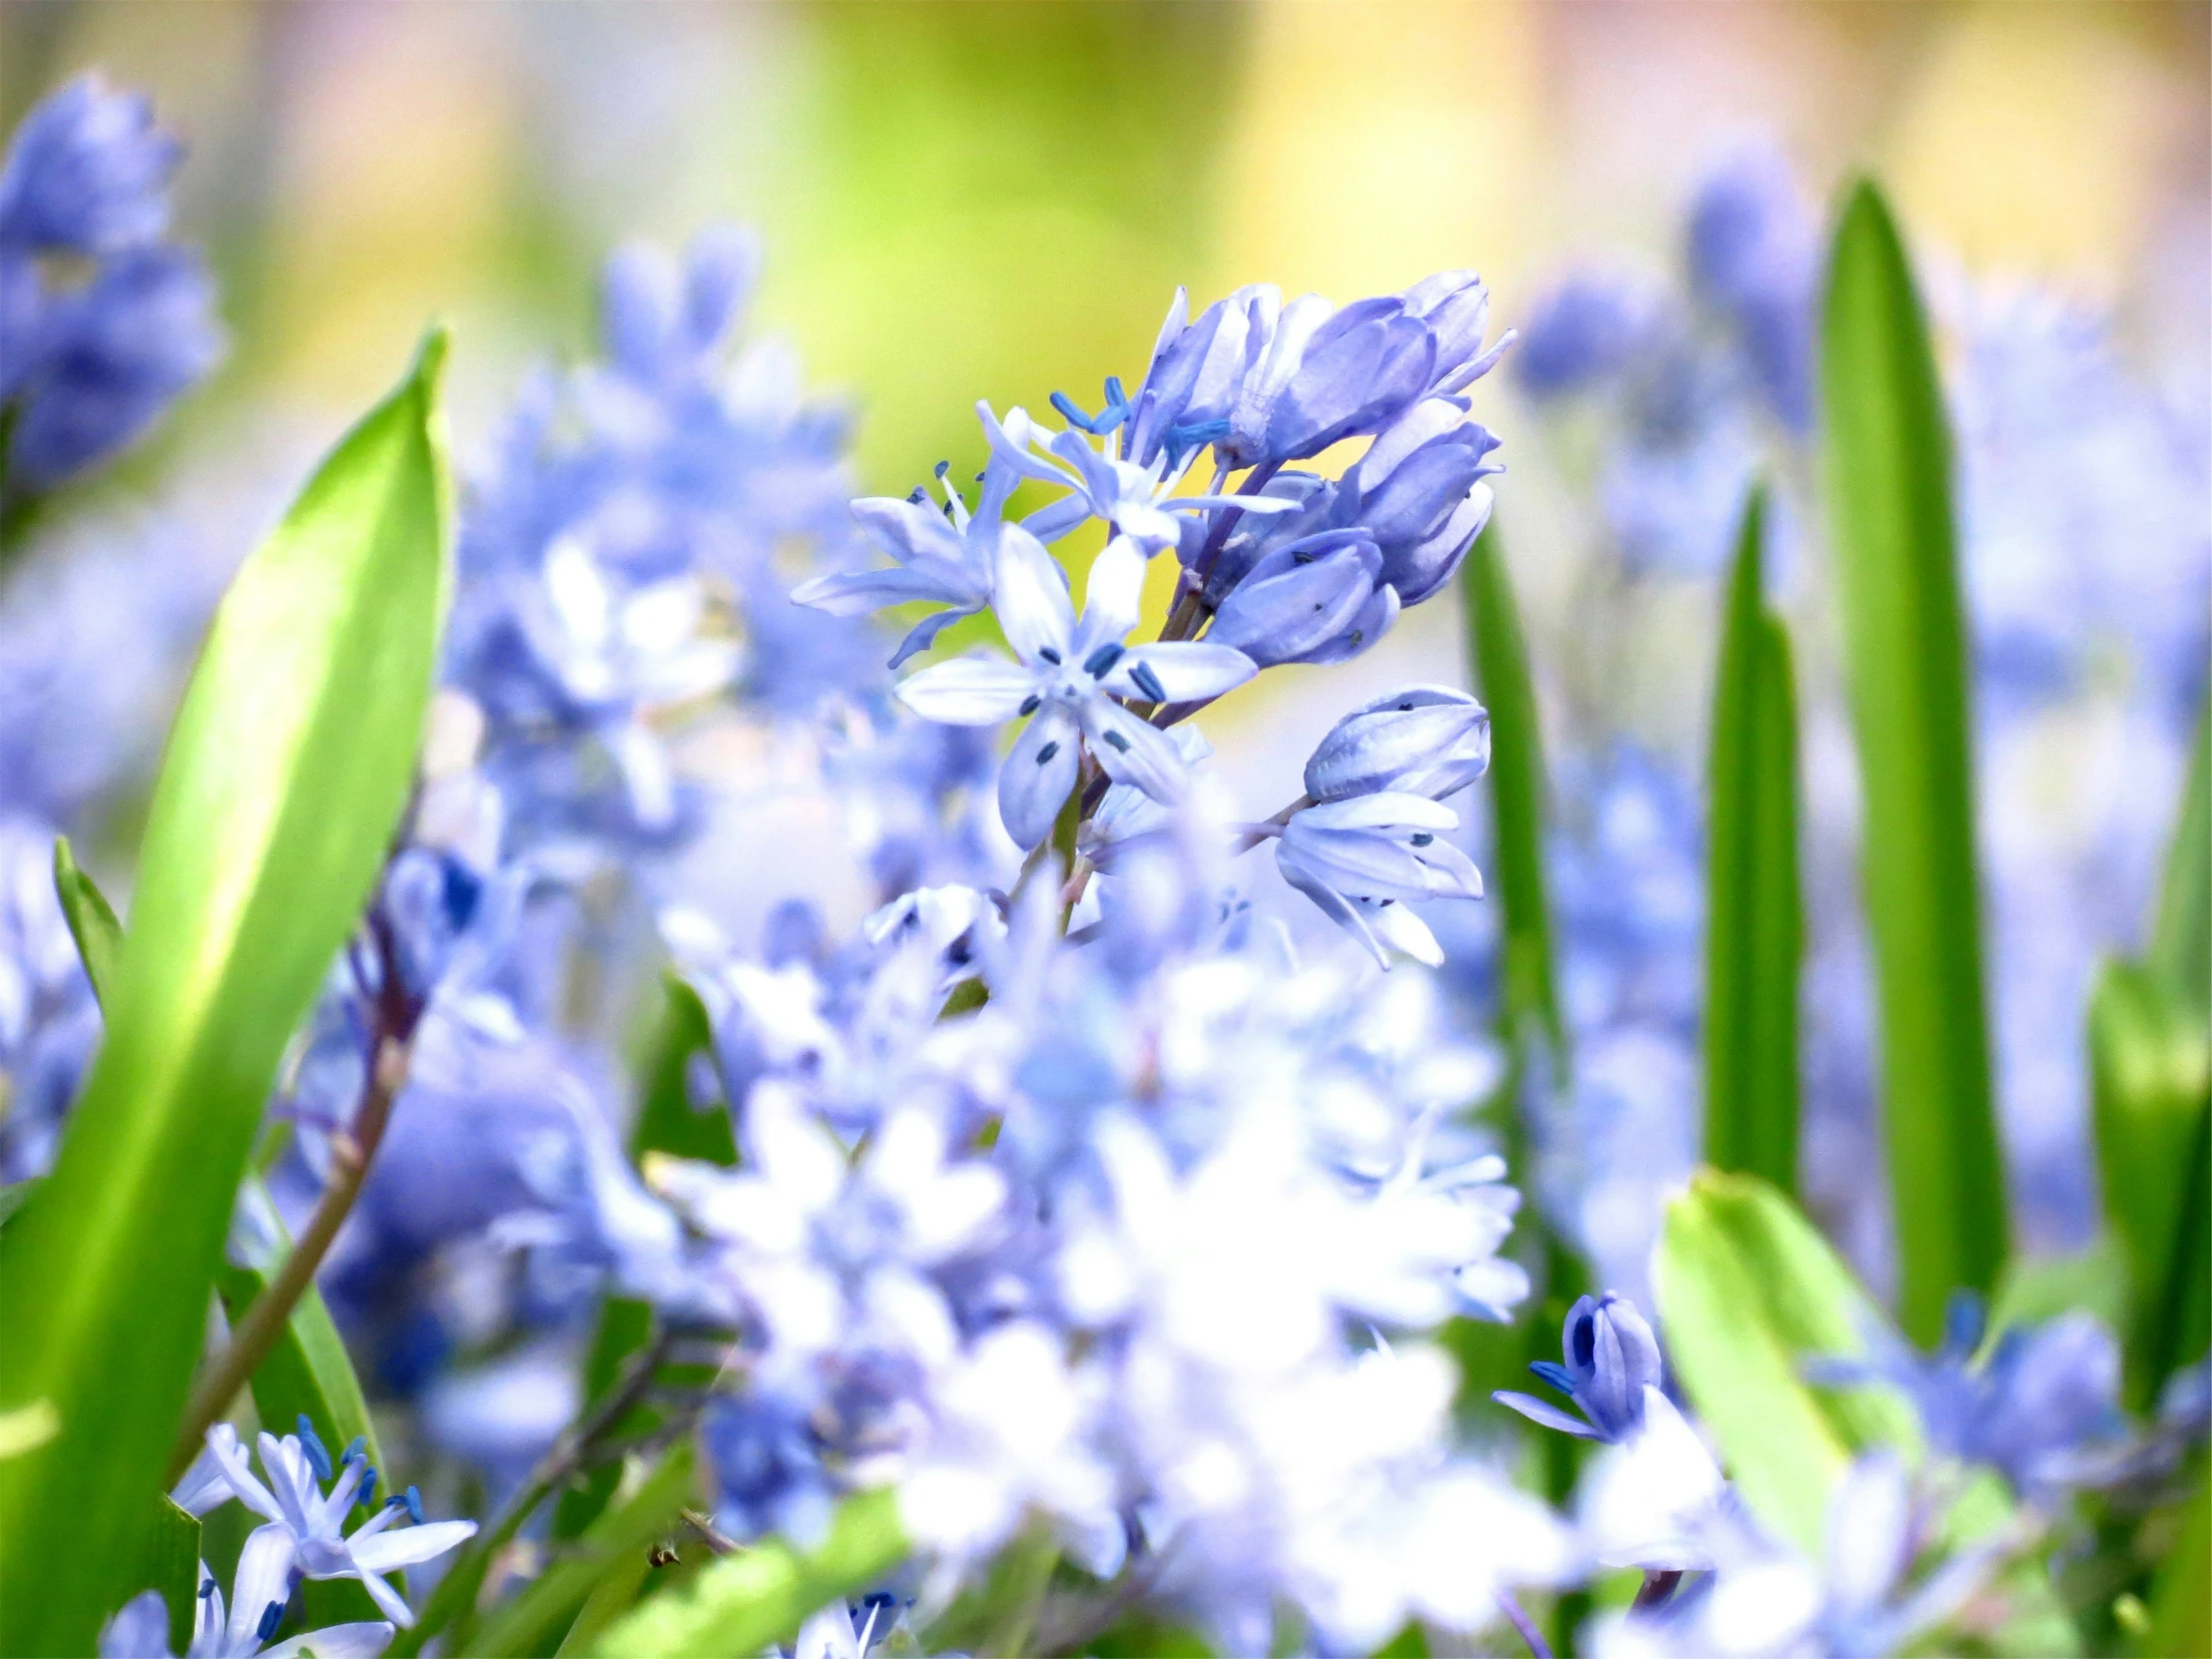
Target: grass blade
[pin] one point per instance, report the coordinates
(90, 920)
(285, 774)
(1500, 660)
(1754, 929)
(1888, 465)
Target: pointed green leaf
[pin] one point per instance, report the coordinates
(91, 920)
(2150, 1063)
(1748, 1293)
(744, 1602)
(1888, 465)
(2181, 941)
(1754, 935)
(283, 780)
(168, 1560)
(2181, 1597)
(1500, 669)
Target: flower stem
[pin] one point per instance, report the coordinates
(396, 1011)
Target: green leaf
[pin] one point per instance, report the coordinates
(2181, 938)
(1755, 931)
(533, 1621)
(1888, 465)
(744, 1602)
(2150, 1063)
(1750, 1292)
(285, 776)
(1500, 660)
(168, 1560)
(90, 920)
(667, 1120)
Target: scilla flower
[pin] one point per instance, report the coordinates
(1423, 740)
(260, 1592)
(1358, 859)
(1611, 1357)
(1069, 674)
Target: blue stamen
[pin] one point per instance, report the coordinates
(1048, 751)
(1149, 681)
(1104, 658)
(1116, 398)
(367, 1498)
(1114, 740)
(919, 496)
(356, 1448)
(413, 1502)
(272, 1616)
(318, 1454)
(942, 468)
(1070, 412)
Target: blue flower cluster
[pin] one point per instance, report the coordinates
(102, 322)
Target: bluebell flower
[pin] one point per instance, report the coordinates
(1419, 492)
(1320, 599)
(1329, 374)
(1190, 388)
(1360, 860)
(87, 365)
(1431, 741)
(260, 1592)
(1754, 255)
(306, 1526)
(1611, 1357)
(1066, 681)
(1579, 335)
(947, 556)
(2038, 1407)
(87, 172)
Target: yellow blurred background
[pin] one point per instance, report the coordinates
(997, 198)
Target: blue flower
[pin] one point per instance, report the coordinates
(1581, 334)
(1424, 740)
(1360, 858)
(1320, 599)
(1754, 255)
(1067, 679)
(87, 365)
(1611, 1357)
(1418, 493)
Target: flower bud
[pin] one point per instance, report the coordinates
(1318, 600)
(1426, 740)
(1610, 1356)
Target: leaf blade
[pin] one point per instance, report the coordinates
(1748, 1291)
(744, 1602)
(285, 774)
(91, 920)
(1753, 938)
(1888, 464)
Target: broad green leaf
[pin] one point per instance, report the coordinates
(1749, 1293)
(285, 776)
(91, 920)
(1500, 661)
(168, 1560)
(533, 1621)
(1888, 475)
(747, 1601)
(28, 1428)
(2181, 941)
(1755, 931)
(625, 1326)
(2151, 1091)
(998, 1613)
(15, 1195)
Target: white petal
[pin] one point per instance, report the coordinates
(404, 1547)
(263, 1576)
(1030, 597)
(1036, 776)
(1180, 673)
(1114, 596)
(1399, 927)
(578, 590)
(1133, 750)
(968, 691)
(1378, 811)
(338, 1641)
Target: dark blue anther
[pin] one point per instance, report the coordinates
(1423, 837)
(367, 1498)
(358, 1446)
(1104, 658)
(318, 1455)
(1116, 741)
(942, 468)
(1116, 398)
(1149, 681)
(207, 1588)
(1048, 751)
(1030, 704)
(413, 1501)
(919, 496)
(272, 1616)
(1051, 654)
(1071, 413)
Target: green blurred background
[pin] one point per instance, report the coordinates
(997, 198)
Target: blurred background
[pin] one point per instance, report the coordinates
(997, 200)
